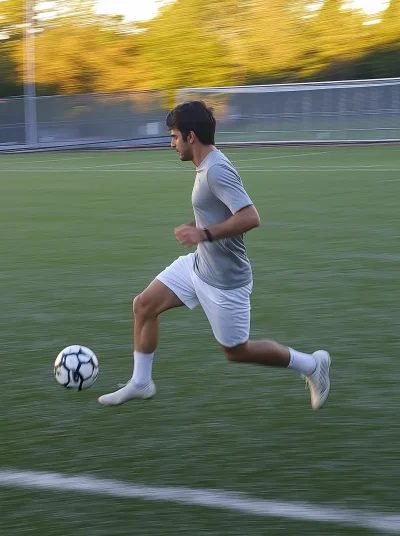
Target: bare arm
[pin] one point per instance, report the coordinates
(244, 220)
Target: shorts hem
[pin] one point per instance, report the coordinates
(231, 345)
(191, 304)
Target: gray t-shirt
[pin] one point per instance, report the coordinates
(218, 193)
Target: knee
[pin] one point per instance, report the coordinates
(234, 354)
(142, 306)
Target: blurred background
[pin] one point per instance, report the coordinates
(100, 46)
(133, 57)
(84, 231)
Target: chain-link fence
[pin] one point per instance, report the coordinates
(366, 110)
(109, 119)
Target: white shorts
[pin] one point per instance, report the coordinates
(228, 311)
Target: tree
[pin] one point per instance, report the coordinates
(195, 43)
(86, 58)
(273, 39)
(389, 28)
(8, 69)
(336, 38)
(12, 27)
(179, 52)
(11, 18)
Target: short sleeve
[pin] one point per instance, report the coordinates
(227, 186)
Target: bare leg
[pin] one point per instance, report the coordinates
(147, 307)
(261, 352)
(146, 329)
(315, 367)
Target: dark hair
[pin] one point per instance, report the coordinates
(193, 116)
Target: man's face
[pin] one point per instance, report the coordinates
(183, 148)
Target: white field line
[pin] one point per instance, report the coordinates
(30, 162)
(26, 161)
(374, 167)
(180, 167)
(216, 499)
(283, 156)
(320, 169)
(189, 170)
(108, 166)
(93, 170)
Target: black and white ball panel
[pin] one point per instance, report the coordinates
(76, 367)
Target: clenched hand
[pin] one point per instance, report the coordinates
(188, 235)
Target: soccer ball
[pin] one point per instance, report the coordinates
(76, 367)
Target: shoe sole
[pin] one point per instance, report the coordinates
(138, 397)
(329, 380)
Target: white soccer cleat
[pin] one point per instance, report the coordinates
(319, 382)
(129, 392)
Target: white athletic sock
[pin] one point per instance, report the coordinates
(303, 363)
(142, 366)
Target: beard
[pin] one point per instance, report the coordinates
(186, 155)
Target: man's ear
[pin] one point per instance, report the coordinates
(191, 137)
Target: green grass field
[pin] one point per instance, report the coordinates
(82, 234)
